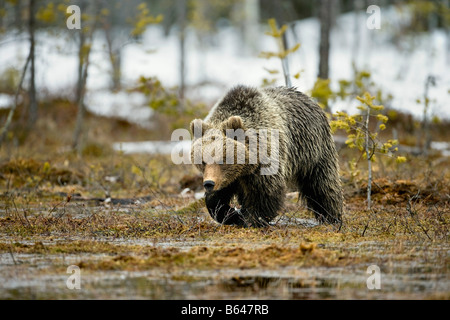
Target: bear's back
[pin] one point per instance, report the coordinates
(280, 108)
(303, 126)
(247, 102)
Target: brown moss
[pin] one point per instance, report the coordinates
(22, 172)
(271, 257)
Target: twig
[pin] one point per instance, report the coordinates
(408, 208)
(17, 211)
(369, 161)
(12, 255)
(26, 218)
(365, 228)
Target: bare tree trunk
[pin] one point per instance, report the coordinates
(84, 51)
(357, 7)
(426, 123)
(81, 44)
(283, 43)
(117, 73)
(81, 88)
(33, 112)
(18, 16)
(325, 17)
(79, 92)
(181, 12)
(251, 25)
(369, 161)
(447, 32)
(5, 128)
(115, 59)
(285, 61)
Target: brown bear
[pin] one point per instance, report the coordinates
(255, 144)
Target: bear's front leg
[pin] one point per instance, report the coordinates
(218, 205)
(261, 199)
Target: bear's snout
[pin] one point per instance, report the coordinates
(209, 185)
(212, 177)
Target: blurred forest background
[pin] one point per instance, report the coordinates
(161, 63)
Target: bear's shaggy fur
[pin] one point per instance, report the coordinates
(307, 158)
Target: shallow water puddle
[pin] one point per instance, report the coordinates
(322, 283)
(44, 276)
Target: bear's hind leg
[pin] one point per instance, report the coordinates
(323, 194)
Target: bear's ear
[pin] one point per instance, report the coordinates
(198, 128)
(234, 122)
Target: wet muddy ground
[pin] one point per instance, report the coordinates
(31, 280)
(208, 261)
(153, 240)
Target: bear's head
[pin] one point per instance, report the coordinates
(222, 152)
